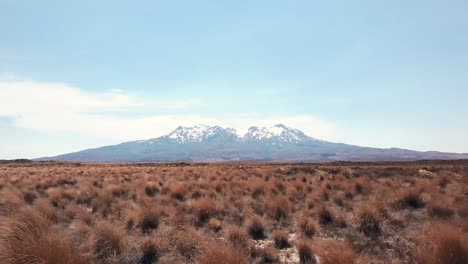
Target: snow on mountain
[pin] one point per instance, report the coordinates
(199, 133)
(278, 132)
(214, 143)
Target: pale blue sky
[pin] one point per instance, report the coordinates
(78, 74)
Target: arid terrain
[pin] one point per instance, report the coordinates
(234, 212)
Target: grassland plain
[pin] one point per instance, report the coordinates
(415, 212)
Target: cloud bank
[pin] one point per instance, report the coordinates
(57, 107)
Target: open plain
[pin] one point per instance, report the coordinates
(414, 212)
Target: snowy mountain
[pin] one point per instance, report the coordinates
(200, 133)
(215, 143)
(276, 133)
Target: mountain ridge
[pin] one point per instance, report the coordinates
(215, 143)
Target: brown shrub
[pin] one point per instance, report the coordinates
(204, 208)
(28, 237)
(10, 201)
(81, 231)
(325, 216)
(281, 239)
(148, 218)
(462, 210)
(151, 190)
(256, 228)
(341, 221)
(442, 244)
(238, 238)
(369, 220)
(217, 253)
(266, 254)
(323, 194)
(55, 196)
(443, 181)
(258, 188)
(361, 186)
(215, 224)
(410, 199)
(347, 172)
(186, 241)
(306, 255)
(306, 226)
(339, 199)
(44, 206)
(336, 252)
(178, 190)
(84, 216)
(150, 252)
(280, 187)
(439, 210)
(29, 197)
(108, 240)
(278, 207)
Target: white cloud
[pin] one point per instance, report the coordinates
(55, 107)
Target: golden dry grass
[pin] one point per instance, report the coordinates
(234, 213)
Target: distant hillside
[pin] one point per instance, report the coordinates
(214, 143)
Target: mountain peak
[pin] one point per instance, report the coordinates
(198, 133)
(278, 132)
(215, 143)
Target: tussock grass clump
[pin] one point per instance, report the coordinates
(29, 197)
(148, 219)
(369, 220)
(28, 237)
(44, 206)
(258, 188)
(256, 228)
(204, 208)
(306, 226)
(410, 199)
(325, 216)
(443, 181)
(215, 224)
(150, 252)
(306, 255)
(360, 186)
(178, 190)
(442, 244)
(267, 254)
(462, 210)
(278, 207)
(238, 238)
(440, 210)
(218, 252)
(108, 240)
(145, 217)
(323, 194)
(280, 187)
(281, 239)
(151, 190)
(339, 199)
(187, 242)
(336, 252)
